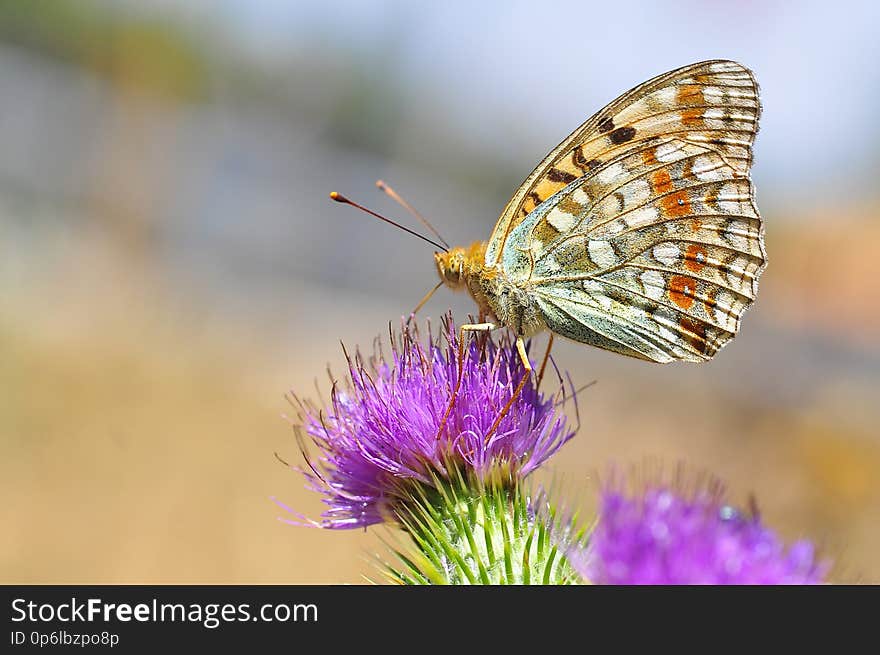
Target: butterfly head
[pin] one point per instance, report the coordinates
(450, 267)
(456, 265)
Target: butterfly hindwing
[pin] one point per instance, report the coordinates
(655, 254)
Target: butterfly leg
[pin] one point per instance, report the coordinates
(468, 327)
(521, 349)
(423, 301)
(544, 363)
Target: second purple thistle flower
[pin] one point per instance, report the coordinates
(379, 433)
(672, 535)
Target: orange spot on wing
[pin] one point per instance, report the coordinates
(660, 181)
(695, 258)
(690, 94)
(675, 204)
(682, 290)
(692, 117)
(649, 157)
(547, 187)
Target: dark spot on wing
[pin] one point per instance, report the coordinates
(622, 135)
(577, 158)
(556, 175)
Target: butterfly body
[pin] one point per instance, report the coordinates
(495, 293)
(639, 233)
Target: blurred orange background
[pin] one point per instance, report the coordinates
(170, 264)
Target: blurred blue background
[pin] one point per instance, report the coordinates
(170, 263)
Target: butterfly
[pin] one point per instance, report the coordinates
(639, 233)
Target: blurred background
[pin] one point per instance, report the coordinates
(170, 264)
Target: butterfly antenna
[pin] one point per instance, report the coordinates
(412, 210)
(338, 197)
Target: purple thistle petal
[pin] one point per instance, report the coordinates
(667, 536)
(380, 429)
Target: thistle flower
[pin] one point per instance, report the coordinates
(379, 441)
(669, 535)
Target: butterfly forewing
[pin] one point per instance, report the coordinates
(714, 103)
(639, 234)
